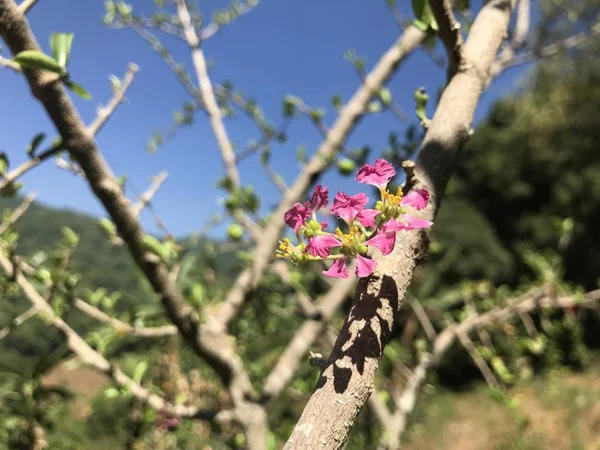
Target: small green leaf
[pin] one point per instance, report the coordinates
(70, 237)
(153, 245)
(4, 162)
(198, 294)
(115, 83)
(139, 371)
(423, 15)
(108, 226)
(38, 60)
(78, 89)
(61, 47)
(374, 107)
(35, 143)
(421, 98)
(385, 96)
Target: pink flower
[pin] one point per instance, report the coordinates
(366, 217)
(379, 176)
(347, 207)
(320, 197)
(338, 270)
(364, 266)
(297, 215)
(321, 245)
(385, 242)
(410, 223)
(417, 199)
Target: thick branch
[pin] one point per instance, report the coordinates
(353, 363)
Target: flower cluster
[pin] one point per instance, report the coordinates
(375, 227)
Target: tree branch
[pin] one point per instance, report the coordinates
(449, 32)
(107, 111)
(18, 212)
(121, 327)
(26, 5)
(208, 95)
(17, 321)
(352, 365)
(146, 197)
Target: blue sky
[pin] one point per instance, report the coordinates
(282, 47)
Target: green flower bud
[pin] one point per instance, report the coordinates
(235, 231)
(346, 166)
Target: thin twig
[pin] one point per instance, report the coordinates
(212, 28)
(449, 31)
(18, 212)
(423, 318)
(121, 327)
(107, 111)
(26, 6)
(10, 64)
(18, 321)
(208, 95)
(30, 164)
(146, 198)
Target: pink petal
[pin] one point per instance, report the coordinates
(411, 223)
(338, 270)
(385, 242)
(366, 217)
(346, 207)
(364, 266)
(416, 223)
(321, 245)
(320, 197)
(379, 175)
(417, 199)
(297, 215)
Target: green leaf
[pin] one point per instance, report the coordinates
(198, 294)
(423, 15)
(37, 60)
(139, 371)
(385, 96)
(70, 237)
(153, 245)
(108, 226)
(35, 143)
(374, 107)
(61, 47)
(421, 98)
(115, 83)
(3, 164)
(78, 89)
